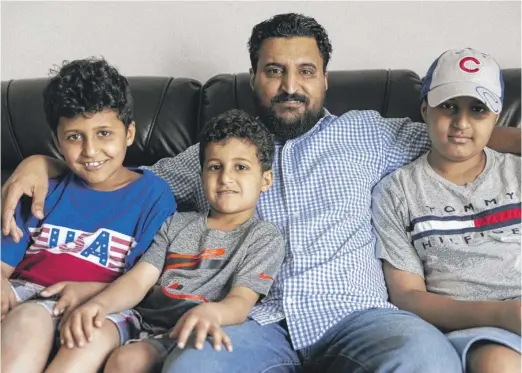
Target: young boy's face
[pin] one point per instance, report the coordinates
(459, 128)
(232, 177)
(94, 147)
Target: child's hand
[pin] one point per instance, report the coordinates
(205, 320)
(71, 294)
(77, 328)
(8, 297)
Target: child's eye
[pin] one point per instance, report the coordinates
(479, 109)
(241, 167)
(447, 106)
(104, 133)
(214, 167)
(74, 137)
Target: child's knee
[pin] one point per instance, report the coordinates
(29, 317)
(492, 358)
(118, 361)
(27, 337)
(88, 358)
(134, 358)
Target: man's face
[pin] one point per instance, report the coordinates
(289, 85)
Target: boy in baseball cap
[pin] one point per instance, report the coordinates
(448, 224)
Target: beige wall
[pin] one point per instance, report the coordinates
(201, 39)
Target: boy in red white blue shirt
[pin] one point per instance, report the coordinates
(100, 218)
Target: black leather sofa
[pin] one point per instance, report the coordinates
(169, 112)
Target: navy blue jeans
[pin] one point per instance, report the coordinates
(373, 341)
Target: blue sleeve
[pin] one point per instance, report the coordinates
(163, 207)
(11, 252)
(403, 141)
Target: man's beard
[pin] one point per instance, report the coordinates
(287, 129)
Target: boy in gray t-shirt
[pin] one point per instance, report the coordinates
(448, 224)
(202, 271)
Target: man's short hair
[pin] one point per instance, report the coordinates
(86, 86)
(238, 124)
(287, 26)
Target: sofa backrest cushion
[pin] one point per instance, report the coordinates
(170, 112)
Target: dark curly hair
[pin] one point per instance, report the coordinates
(86, 86)
(238, 124)
(287, 26)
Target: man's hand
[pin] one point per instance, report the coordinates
(76, 330)
(509, 318)
(30, 178)
(8, 297)
(71, 295)
(204, 320)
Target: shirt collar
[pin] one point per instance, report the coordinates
(326, 114)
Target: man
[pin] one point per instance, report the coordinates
(328, 309)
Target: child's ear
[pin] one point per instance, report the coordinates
(268, 180)
(424, 109)
(131, 132)
(56, 143)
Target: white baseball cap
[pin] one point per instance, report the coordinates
(464, 72)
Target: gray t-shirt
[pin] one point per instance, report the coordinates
(464, 240)
(200, 264)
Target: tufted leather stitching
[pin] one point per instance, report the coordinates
(5, 105)
(387, 89)
(234, 91)
(156, 113)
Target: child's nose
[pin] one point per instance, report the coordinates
(461, 121)
(89, 148)
(225, 177)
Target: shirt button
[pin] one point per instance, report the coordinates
(290, 300)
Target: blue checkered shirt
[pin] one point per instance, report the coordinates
(320, 201)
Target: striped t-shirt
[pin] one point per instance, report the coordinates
(464, 240)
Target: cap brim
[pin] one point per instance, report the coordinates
(448, 91)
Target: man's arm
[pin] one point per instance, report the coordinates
(506, 140)
(183, 174)
(30, 178)
(408, 291)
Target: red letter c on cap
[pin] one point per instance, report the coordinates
(466, 59)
